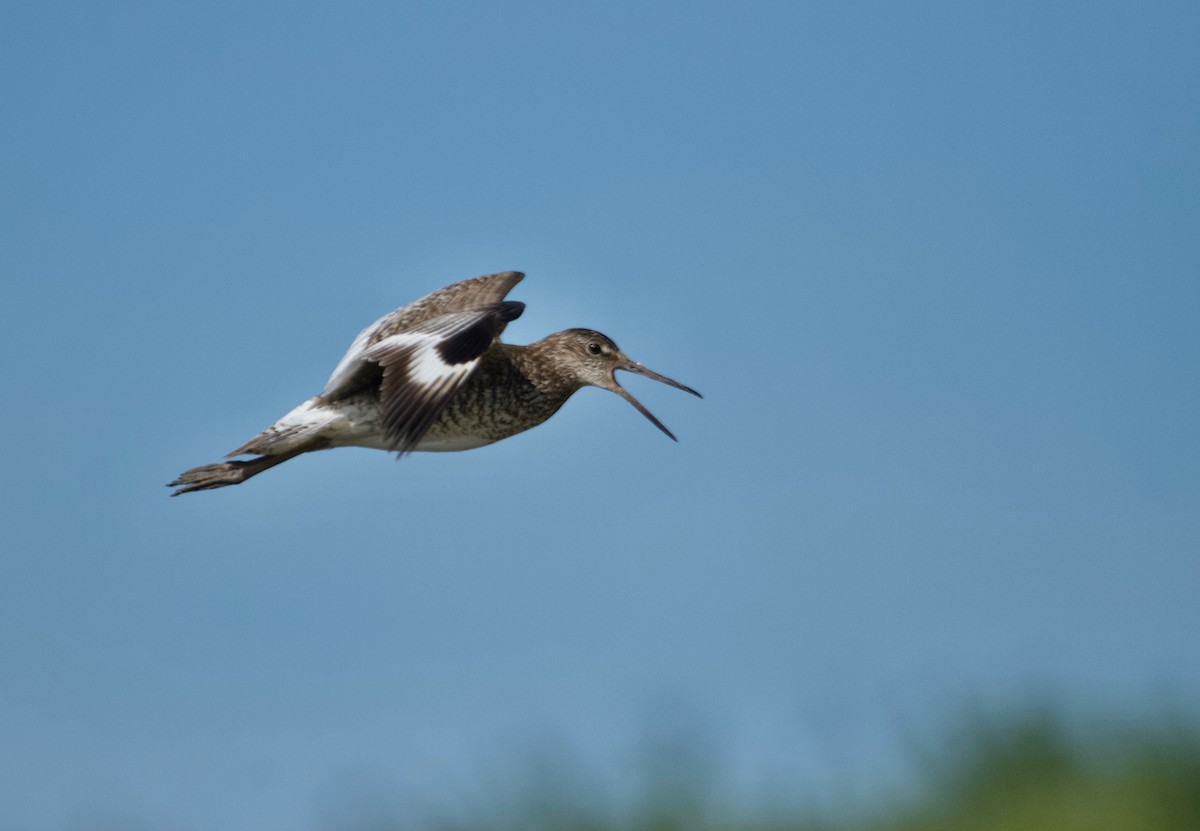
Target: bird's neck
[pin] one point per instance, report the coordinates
(534, 364)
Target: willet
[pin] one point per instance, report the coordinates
(434, 376)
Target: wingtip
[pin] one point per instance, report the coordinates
(510, 310)
(509, 277)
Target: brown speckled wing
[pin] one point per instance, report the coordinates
(457, 297)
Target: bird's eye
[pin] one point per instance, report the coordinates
(594, 348)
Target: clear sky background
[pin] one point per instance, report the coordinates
(935, 268)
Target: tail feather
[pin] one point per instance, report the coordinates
(221, 474)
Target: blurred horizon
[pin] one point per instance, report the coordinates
(932, 267)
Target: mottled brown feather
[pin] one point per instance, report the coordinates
(463, 295)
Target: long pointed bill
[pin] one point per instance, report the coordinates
(634, 367)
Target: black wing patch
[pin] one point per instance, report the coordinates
(473, 340)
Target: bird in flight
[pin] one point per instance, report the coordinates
(434, 376)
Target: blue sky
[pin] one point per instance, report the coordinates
(934, 267)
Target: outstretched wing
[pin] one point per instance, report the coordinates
(425, 365)
(355, 370)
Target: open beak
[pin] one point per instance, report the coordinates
(635, 367)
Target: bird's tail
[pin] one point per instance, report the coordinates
(207, 477)
(297, 432)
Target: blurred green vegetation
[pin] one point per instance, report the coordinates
(1030, 772)
(1035, 774)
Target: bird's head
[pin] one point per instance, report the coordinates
(594, 359)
